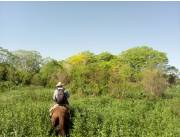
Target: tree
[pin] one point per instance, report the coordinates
(120, 76)
(6, 56)
(104, 56)
(140, 58)
(172, 74)
(28, 61)
(47, 70)
(81, 58)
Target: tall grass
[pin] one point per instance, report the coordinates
(24, 113)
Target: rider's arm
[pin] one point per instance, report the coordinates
(67, 94)
(54, 95)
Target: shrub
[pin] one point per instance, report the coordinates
(154, 82)
(36, 80)
(6, 85)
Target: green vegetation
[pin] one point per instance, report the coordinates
(133, 94)
(24, 112)
(87, 73)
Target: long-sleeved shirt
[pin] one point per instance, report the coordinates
(56, 93)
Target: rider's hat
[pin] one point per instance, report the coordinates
(59, 84)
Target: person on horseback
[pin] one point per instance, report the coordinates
(60, 95)
(60, 112)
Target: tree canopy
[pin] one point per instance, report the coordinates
(141, 57)
(87, 72)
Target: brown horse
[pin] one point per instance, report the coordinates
(60, 119)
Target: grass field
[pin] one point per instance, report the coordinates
(24, 113)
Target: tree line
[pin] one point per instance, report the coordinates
(91, 74)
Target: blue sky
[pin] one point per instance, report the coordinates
(61, 29)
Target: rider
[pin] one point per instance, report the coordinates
(60, 96)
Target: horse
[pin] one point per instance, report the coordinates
(60, 119)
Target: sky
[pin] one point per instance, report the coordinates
(62, 29)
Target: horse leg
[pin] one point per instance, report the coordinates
(67, 125)
(51, 130)
(52, 126)
(61, 124)
(55, 122)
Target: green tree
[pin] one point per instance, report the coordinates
(81, 58)
(140, 58)
(119, 79)
(6, 56)
(47, 70)
(172, 74)
(104, 56)
(29, 61)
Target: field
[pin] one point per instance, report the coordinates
(24, 113)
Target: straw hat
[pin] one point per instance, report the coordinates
(59, 84)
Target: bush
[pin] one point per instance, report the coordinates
(36, 80)
(154, 82)
(6, 85)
